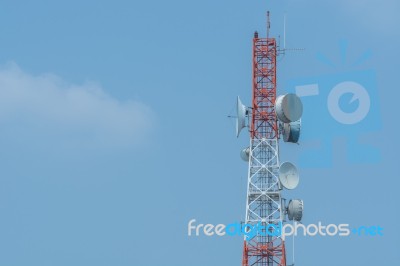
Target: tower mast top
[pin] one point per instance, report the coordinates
(268, 24)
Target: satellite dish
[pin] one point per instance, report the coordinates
(288, 175)
(245, 154)
(288, 108)
(291, 131)
(295, 210)
(241, 115)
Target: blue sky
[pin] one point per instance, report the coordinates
(114, 129)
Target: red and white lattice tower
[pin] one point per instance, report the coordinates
(264, 202)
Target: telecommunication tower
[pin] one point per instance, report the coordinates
(268, 118)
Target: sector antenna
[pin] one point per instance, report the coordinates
(241, 113)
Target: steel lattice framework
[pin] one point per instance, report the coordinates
(264, 201)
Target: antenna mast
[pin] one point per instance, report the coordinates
(264, 202)
(284, 32)
(268, 24)
(268, 117)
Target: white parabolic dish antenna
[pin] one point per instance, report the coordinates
(288, 175)
(245, 154)
(295, 210)
(291, 131)
(288, 108)
(241, 116)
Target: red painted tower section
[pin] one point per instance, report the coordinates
(263, 121)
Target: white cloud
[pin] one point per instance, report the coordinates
(47, 107)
